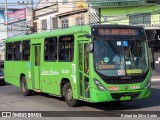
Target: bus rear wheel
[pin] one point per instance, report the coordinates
(68, 94)
(23, 85)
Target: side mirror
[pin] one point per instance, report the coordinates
(87, 35)
(90, 47)
(151, 59)
(151, 64)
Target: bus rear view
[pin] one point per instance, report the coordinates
(121, 62)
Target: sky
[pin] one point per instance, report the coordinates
(14, 3)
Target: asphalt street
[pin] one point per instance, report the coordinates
(11, 99)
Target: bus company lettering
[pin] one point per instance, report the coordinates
(49, 72)
(65, 71)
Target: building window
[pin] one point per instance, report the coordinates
(65, 23)
(66, 48)
(17, 51)
(44, 24)
(80, 21)
(50, 49)
(139, 19)
(26, 50)
(35, 27)
(65, 1)
(55, 23)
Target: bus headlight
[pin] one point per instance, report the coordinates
(148, 84)
(99, 85)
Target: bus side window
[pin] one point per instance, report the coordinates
(9, 51)
(26, 50)
(66, 48)
(17, 52)
(50, 49)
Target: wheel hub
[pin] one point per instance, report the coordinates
(69, 94)
(23, 87)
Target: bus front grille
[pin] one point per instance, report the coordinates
(122, 81)
(117, 96)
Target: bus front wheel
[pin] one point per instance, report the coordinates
(68, 94)
(23, 85)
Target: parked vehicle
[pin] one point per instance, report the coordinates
(2, 82)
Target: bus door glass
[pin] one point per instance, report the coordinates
(84, 89)
(37, 53)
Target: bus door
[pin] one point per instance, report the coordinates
(84, 89)
(36, 60)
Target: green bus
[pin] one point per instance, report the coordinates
(93, 63)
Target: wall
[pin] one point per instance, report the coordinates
(119, 15)
(66, 7)
(49, 21)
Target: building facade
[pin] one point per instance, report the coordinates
(59, 14)
(45, 16)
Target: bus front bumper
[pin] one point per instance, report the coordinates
(106, 96)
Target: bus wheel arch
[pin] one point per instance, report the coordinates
(66, 92)
(23, 86)
(63, 82)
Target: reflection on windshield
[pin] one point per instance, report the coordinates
(120, 58)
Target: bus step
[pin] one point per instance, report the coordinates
(36, 90)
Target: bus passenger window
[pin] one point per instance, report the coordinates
(50, 49)
(66, 45)
(9, 51)
(26, 51)
(17, 51)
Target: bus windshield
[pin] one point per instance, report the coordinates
(120, 57)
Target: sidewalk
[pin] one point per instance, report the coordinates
(155, 75)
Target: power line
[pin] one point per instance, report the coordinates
(132, 17)
(76, 7)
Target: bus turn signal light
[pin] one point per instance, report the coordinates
(113, 88)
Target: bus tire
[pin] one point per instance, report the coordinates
(116, 103)
(67, 91)
(23, 85)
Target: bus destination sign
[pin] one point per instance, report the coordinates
(125, 32)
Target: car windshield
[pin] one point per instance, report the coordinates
(120, 57)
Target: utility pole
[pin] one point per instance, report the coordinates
(32, 15)
(6, 18)
(30, 11)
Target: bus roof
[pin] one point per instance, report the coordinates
(57, 32)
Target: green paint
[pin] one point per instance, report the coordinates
(120, 15)
(47, 76)
(118, 3)
(124, 98)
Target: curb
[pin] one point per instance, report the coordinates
(156, 78)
